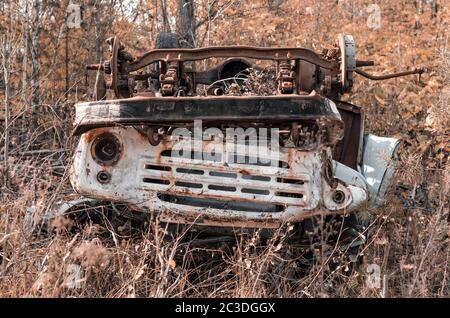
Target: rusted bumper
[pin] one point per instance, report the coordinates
(223, 109)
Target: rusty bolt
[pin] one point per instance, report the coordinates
(103, 177)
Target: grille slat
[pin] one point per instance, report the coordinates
(230, 167)
(239, 181)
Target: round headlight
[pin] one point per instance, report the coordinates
(106, 149)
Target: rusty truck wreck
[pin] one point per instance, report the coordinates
(324, 164)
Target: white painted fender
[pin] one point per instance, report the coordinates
(379, 160)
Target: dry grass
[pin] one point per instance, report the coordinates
(409, 242)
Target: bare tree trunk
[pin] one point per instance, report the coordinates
(5, 50)
(23, 95)
(187, 22)
(99, 34)
(35, 62)
(166, 26)
(317, 11)
(434, 8)
(155, 27)
(420, 7)
(66, 47)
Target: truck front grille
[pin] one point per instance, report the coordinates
(211, 183)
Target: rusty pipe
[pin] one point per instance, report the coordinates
(360, 63)
(388, 76)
